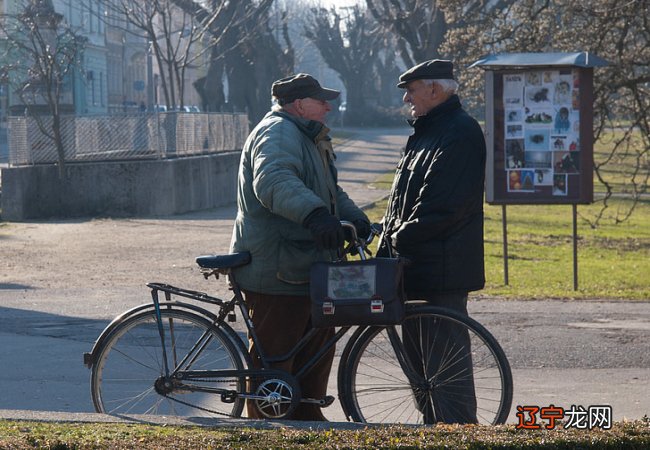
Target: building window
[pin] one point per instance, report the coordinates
(101, 16)
(90, 77)
(101, 88)
(91, 17)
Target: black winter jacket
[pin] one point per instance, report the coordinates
(435, 211)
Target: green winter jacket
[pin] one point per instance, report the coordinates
(286, 171)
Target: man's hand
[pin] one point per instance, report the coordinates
(363, 228)
(325, 228)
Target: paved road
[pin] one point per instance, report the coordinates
(61, 282)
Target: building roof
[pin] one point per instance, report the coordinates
(579, 59)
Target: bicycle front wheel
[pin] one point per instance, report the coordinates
(437, 366)
(128, 376)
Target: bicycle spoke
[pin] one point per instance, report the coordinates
(130, 400)
(136, 361)
(459, 375)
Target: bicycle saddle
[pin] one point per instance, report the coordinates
(224, 261)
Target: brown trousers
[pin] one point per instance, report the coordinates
(280, 321)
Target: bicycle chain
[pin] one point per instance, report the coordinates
(197, 407)
(210, 380)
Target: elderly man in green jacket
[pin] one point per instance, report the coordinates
(289, 208)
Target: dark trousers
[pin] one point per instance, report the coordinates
(441, 353)
(280, 321)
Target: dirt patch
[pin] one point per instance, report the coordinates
(95, 259)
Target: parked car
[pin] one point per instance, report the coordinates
(188, 108)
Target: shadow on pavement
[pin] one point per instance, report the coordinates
(41, 357)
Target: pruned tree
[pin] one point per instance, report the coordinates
(350, 46)
(388, 72)
(419, 25)
(422, 26)
(41, 55)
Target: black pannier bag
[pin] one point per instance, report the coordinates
(369, 292)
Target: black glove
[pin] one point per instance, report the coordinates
(363, 228)
(325, 228)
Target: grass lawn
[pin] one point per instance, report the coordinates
(30, 435)
(613, 260)
(627, 161)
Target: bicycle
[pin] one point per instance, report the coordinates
(173, 357)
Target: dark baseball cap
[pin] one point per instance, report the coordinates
(301, 85)
(435, 69)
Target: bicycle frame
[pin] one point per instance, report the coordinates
(180, 376)
(238, 300)
(182, 371)
(266, 371)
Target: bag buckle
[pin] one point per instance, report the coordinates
(376, 306)
(328, 308)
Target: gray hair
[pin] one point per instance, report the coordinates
(276, 106)
(448, 86)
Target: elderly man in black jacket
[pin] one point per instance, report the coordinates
(434, 219)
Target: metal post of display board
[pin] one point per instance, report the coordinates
(575, 247)
(504, 222)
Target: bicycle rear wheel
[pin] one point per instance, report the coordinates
(437, 366)
(127, 376)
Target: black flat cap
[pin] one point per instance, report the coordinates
(298, 86)
(435, 69)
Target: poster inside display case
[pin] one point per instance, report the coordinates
(539, 115)
(541, 154)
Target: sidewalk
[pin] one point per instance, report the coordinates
(364, 158)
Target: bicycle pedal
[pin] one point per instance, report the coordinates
(232, 317)
(229, 396)
(328, 400)
(322, 402)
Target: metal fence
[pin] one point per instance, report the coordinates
(120, 137)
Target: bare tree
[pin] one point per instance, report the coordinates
(179, 35)
(420, 26)
(617, 31)
(620, 32)
(41, 55)
(247, 55)
(349, 45)
(388, 72)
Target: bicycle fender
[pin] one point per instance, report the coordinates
(89, 358)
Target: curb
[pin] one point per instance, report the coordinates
(69, 417)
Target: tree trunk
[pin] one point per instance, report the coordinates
(58, 142)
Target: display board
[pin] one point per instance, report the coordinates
(539, 135)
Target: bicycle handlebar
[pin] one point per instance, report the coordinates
(357, 243)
